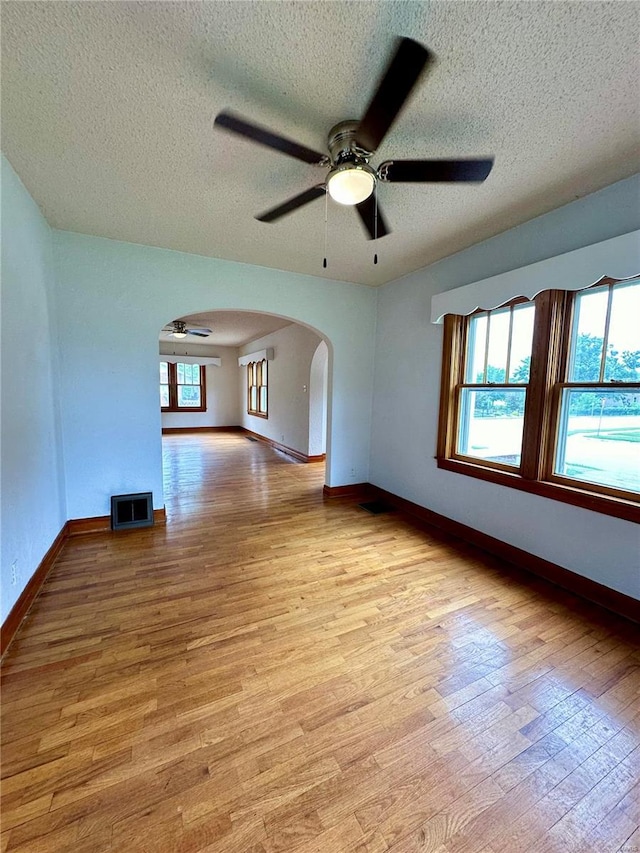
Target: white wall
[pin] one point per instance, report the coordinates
(223, 399)
(318, 382)
(32, 510)
(406, 398)
(113, 297)
(288, 386)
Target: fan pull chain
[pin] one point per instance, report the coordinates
(326, 208)
(375, 221)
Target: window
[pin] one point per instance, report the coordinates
(545, 396)
(257, 388)
(493, 394)
(182, 387)
(599, 425)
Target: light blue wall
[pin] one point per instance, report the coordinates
(612, 211)
(32, 508)
(405, 419)
(113, 298)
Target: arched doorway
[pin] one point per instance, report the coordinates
(218, 352)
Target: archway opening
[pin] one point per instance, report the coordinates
(263, 374)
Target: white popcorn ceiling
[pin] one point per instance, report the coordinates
(108, 108)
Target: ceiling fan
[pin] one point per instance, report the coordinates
(351, 180)
(179, 329)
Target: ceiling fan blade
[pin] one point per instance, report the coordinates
(292, 204)
(367, 212)
(393, 90)
(197, 334)
(263, 136)
(434, 171)
(199, 330)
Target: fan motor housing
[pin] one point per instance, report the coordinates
(342, 143)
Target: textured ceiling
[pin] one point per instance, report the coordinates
(108, 107)
(228, 328)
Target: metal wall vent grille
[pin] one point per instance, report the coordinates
(131, 511)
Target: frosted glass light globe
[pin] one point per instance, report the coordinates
(351, 184)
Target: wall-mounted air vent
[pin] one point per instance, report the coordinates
(131, 511)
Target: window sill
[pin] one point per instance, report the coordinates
(183, 411)
(628, 510)
(258, 414)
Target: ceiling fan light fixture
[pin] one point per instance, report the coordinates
(179, 329)
(351, 183)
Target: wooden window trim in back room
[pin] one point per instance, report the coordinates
(258, 370)
(554, 311)
(173, 391)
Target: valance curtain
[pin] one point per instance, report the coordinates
(256, 356)
(617, 258)
(191, 359)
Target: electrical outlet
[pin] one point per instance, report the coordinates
(282, 437)
(353, 472)
(14, 573)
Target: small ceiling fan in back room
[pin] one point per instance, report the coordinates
(179, 329)
(351, 180)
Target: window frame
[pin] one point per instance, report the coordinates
(173, 389)
(261, 371)
(548, 377)
(485, 385)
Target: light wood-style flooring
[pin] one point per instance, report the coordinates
(276, 672)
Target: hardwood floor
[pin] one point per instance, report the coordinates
(277, 672)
